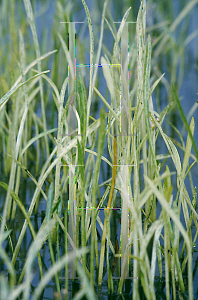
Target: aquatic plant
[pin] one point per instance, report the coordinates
(152, 239)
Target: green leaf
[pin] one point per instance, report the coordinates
(49, 203)
(6, 97)
(35, 139)
(176, 98)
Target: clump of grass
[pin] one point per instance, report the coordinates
(151, 241)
